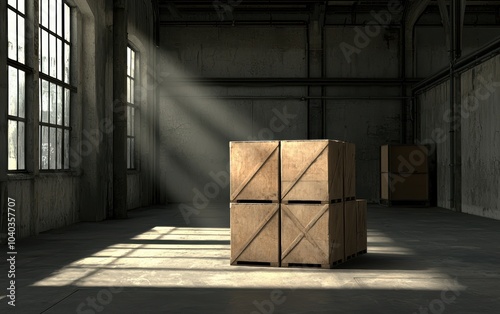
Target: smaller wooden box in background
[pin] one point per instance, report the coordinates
(404, 158)
(254, 171)
(312, 170)
(404, 187)
(312, 234)
(255, 234)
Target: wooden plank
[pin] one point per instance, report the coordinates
(361, 227)
(312, 170)
(311, 234)
(254, 171)
(350, 229)
(255, 235)
(350, 171)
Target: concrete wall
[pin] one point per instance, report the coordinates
(194, 131)
(365, 122)
(435, 127)
(432, 49)
(52, 200)
(480, 138)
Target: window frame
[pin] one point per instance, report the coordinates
(132, 107)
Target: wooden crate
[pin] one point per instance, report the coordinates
(361, 227)
(404, 159)
(406, 187)
(312, 234)
(350, 231)
(312, 170)
(255, 234)
(350, 172)
(254, 171)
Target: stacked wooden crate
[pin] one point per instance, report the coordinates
(294, 203)
(254, 209)
(312, 213)
(404, 175)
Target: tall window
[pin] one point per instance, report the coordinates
(54, 64)
(131, 107)
(17, 79)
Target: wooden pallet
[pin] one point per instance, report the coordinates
(255, 234)
(254, 171)
(256, 264)
(302, 265)
(312, 170)
(312, 234)
(311, 202)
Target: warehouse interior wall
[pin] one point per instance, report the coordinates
(54, 199)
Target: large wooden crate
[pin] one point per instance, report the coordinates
(255, 234)
(361, 227)
(350, 171)
(254, 171)
(350, 229)
(312, 235)
(404, 187)
(404, 159)
(312, 170)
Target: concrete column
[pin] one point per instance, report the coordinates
(120, 109)
(315, 55)
(3, 122)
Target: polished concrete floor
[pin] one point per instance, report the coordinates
(419, 261)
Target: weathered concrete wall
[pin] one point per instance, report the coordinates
(195, 131)
(367, 123)
(435, 128)
(481, 140)
(432, 49)
(46, 201)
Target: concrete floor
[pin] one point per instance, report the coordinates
(419, 261)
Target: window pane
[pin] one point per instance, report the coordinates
(128, 120)
(20, 6)
(20, 146)
(132, 122)
(45, 101)
(53, 103)
(59, 148)
(59, 18)
(13, 91)
(128, 61)
(52, 148)
(66, 149)
(66, 107)
(12, 3)
(52, 15)
(132, 153)
(60, 60)
(67, 26)
(132, 95)
(45, 13)
(22, 94)
(132, 63)
(12, 145)
(52, 56)
(128, 153)
(66, 63)
(45, 52)
(60, 104)
(12, 37)
(45, 148)
(20, 39)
